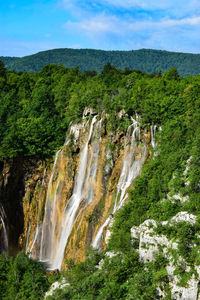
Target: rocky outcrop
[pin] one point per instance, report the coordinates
(151, 244)
(56, 286)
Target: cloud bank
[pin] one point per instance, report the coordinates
(133, 24)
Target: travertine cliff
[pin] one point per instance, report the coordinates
(55, 210)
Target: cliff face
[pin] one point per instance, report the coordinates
(18, 181)
(57, 210)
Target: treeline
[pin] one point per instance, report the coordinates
(146, 60)
(36, 109)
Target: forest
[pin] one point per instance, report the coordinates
(147, 60)
(36, 110)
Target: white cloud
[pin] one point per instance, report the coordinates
(103, 24)
(164, 23)
(132, 24)
(112, 32)
(172, 7)
(100, 24)
(185, 21)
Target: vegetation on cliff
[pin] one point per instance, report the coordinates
(22, 278)
(36, 109)
(35, 113)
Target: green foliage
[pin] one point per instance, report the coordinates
(150, 61)
(36, 110)
(119, 277)
(22, 278)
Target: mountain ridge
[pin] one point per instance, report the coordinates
(146, 60)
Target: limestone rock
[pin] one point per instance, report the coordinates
(150, 244)
(183, 216)
(182, 199)
(56, 285)
(75, 130)
(89, 111)
(122, 114)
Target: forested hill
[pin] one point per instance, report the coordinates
(87, 59)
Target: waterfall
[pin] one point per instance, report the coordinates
(58, 223)
(48, 225)
(130, 170)
(47, 244)
(27, 237)
(68, 196)
(3, 231)
(88, 189)
(38, 227)
(43, 237)
(72, 207)
(153, 131)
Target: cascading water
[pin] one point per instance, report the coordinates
(72, 207)
(73, 196)
(50, 226)
(49, 216)
(38, 228)
(153, 132)
(58, 222)
(88, 192)
(89, 184)
(28, 235)
(3, 231)
(130, 170)
(44, 232)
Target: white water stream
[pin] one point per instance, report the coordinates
(130, 170)
(153, 132)
(55, 233)
(72, 207)
(4, 234)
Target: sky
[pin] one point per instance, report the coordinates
(30, 26)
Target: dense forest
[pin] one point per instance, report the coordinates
(35, 113)
(147, 60)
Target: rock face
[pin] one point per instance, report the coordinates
(18, 181)
(89, 111)
(56, 285)
(62, 205)
(183, 216)
(151, 244)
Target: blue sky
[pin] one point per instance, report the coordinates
(27, 27)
